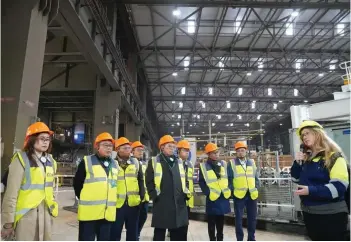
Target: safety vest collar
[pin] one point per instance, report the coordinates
(248, 162)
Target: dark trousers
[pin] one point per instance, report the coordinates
(99, 229)
(251, 210)
(178, 234)
(142, 216)
(215, 222)
(187, 227)
(128, 216)
(326, 227)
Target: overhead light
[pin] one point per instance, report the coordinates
(332, 67)
(183, 91)
(280, 115)
(221, 65)
(191, 125)
(187, 132)
(172, 125)
(174, 74)
(248, 74)
(247, 125)
(228, 104)
(194, 116)
(275, 106)
(298, 67)
(305, 101)
(203, 105)
(210, 90)
(280, 101)
(260, 66)
(295, 14)
(176, 12)
(198, 116)
(178, 123)
(258, 117)
(203, 132)
(289, 29)
(280, 124)
(219, 116)
(253, 105)
(239, 116)
(179, 116)
(191, 26)
(231, 124)
(172, 115)
(180, 105)
(173, 101)
(237, 28)
(240, 91)
(320, 74)
(340, 29)
(186, 63)
(254, 101)
(296, 92)
(219, 132)
(172, 132)
(213, 124)
(269, 91)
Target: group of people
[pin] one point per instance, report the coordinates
(115, 191)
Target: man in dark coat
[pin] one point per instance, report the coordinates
(169, 199)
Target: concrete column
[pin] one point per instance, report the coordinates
(106, 104)
(24, 31)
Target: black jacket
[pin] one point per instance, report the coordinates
(79, 179)
(169, 208)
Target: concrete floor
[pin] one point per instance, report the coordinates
(66, 227)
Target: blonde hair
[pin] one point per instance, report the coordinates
(324, 143)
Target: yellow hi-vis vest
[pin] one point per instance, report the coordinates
(244, 180)
(143, 168)
(98, 196)
(189, 175)
(156, 165)
(35, 186)
(216, 186)
(127, 184)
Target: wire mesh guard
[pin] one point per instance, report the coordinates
(347, 67)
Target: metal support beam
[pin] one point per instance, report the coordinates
(243, 4)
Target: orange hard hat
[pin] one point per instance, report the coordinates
(37, 128)
(165, 139)
(210, 147)
(102, 137)
(121, 141)
(239, 145)
(183, 144)
(137, 144)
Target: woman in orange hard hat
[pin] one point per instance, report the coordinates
(213, 182)
(243, 182)
(165, 182)
(130, 192)
(28, 205)
(95, 185)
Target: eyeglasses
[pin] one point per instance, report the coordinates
(43, 139)
(126, 148)
(107, 146)
(139, 149)
(169, 146)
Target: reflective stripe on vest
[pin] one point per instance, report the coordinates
(127, 185)
(244, 180)
(157, 167)
(98, 196)
(146, 197)
(35, 186)
(190, 177)
(216, 186)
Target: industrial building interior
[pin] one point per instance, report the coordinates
(208, 71)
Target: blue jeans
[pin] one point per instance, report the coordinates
(142, 216)
(251, 209)
(128, 216)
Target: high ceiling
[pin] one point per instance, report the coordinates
(239, 65)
